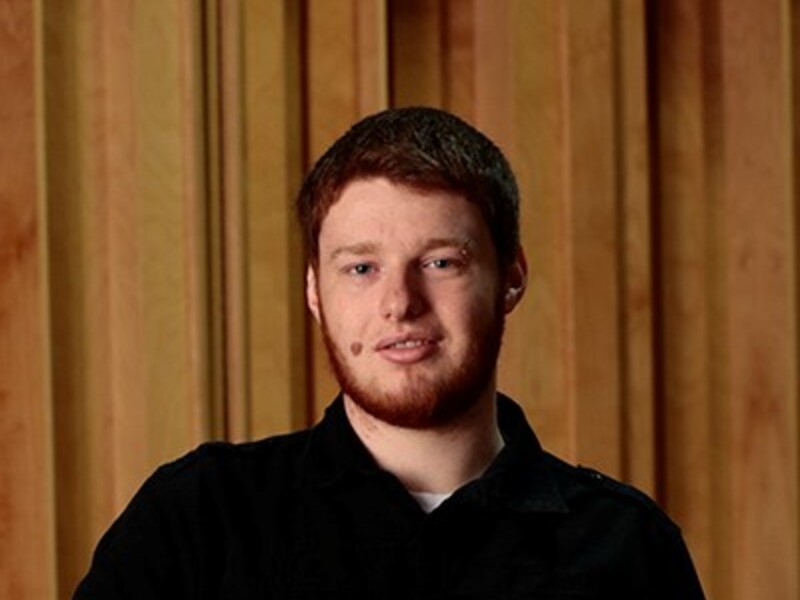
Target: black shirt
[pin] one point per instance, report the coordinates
(310, 515)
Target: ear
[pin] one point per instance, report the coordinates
(312, 295)
(516, 281)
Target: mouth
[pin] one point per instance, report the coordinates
(407, 349)
(407, 344)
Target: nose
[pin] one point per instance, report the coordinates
(403, 297)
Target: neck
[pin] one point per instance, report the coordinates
(436, 460)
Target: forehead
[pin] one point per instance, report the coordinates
(382, 212)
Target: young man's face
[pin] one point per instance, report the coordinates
(411, 301)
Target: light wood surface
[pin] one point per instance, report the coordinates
(760, 197)
(151, 277)
(27, 509)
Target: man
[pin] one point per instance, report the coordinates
(421, 481)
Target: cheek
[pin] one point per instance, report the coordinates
(470, 306)
(347, 323)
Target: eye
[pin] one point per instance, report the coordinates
(360, 269)
(446, 264)
(440, 263)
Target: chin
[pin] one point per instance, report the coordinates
(422, 407)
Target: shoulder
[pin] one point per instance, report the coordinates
(220, 476)
(275, 449)
(210, 493)
(588, 490)
(611, 518)
(218, 496)
(215, 465)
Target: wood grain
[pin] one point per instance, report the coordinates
(275, 271)
(593, 234)
(536, 360)
(128, 344)
(635, 254)
(759, 195)
(686, 261)
(27, 511)
(152, 282)
(416, 58)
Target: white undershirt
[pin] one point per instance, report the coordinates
(429, 500)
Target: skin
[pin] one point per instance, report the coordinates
(408, 290)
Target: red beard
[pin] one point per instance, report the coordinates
(426, 402)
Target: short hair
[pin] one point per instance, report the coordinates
(423, 148)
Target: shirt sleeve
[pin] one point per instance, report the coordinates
(677, 578)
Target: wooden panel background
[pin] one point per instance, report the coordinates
(27, 509)
(151, 280)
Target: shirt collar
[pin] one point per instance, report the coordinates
(334, 452)
(520, 478)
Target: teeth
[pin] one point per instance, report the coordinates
(408, 344)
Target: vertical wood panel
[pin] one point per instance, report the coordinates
(127, 282)
(536, 359)
(714, 548)
(204, 403)
(493, 77)
(275, 302)
(373, 56)
(458, 42)
(592, 221)
(27, 524)
(434, 55)
(637, 386)
(759, 195)
(564, 358)
(222, 410)
(417, 61)
(728, 248)
(225, 113)
(84, 483)
(686, 263)
(166, 169)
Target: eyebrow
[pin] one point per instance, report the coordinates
(363, 248)
(358, 249)
(464, 243)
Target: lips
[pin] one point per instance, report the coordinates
(408, 348)
(407, 344)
